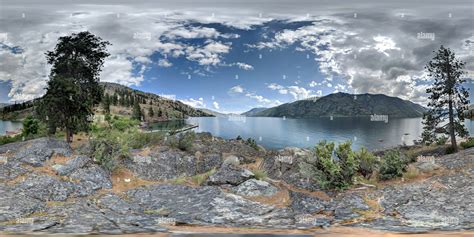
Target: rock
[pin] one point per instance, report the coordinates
(15, 205)
(72, 165)
(346, 206)
(231, 160)
(11, 170)
(253, 188)
(45, 188)
(284, 165)
(91, 178)
(306, 203)
(311, 221)
(165, 163)
(37, 151)
(229, 174)
(208, 205)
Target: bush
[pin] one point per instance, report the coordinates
(252, 143)
(329, 171)
(393, 165)
(259, 174)
(450, 150)
(106, 152)
(367, 162)
(468, 144)
(30, 126)
(139, 140)
(441, 140)
(183, 141)
(122, 123)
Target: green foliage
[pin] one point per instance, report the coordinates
(393, 165)
(139, 140)
(106, 152)
(259, 174)
(10, 139)
(252, 143)
(330, 168)
(448, 98)
(468, 144)
(73, 89)
(239, 138)
(30, 126)
(367, 162)
(137, 112)
(441, 140)
(151, 113)
(182, 141)
(122, 123)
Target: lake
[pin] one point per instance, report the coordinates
(9, 126)
(278, 133)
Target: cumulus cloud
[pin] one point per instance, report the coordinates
(164, 63)
(298, 93)
(196, 103)
(236, 89)
(215, 104)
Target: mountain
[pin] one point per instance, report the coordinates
(253, 111)
(346, 105)
(163, 108)
(215, 113)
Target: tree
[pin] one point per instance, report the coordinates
(137, 112)
(30, 126)
(73, 89)
(151, 113)
(106, 103)
(448, 98)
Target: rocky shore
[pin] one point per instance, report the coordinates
(47, 187)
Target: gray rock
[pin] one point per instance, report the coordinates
(347, 204)
(306, 203)
(231, 160)
(11, 170)
(37, 151)
(45, 188)
(208, 205)
(91, 179)
(253, 187)
(72, 165)
(229, 174)
(14, 205)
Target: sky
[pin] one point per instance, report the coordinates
(231, 56)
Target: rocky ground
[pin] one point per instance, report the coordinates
(47, 187)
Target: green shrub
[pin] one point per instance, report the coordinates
(107, 152)
(468, 144)
(252, 143)
(30, 126)
(259, 174)
(330, 168)
(139, 140)
(182, 141)
(441, 140)
(8, 139)
(450, 150)
(393, 165)
(122, 123)
(367, 162)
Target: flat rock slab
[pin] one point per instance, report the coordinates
(229, 174)
(254, 188)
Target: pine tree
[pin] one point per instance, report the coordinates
(137, 112)
(106, 103)
(448, 98)
(151, 113)
(73, 89)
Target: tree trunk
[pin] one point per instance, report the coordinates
(454, 145)
(69, 135)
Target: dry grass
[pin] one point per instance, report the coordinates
(281, 199)
(124, 180)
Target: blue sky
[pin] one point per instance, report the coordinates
(232, 56)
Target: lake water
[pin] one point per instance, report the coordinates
(278, 133)
(9, 126)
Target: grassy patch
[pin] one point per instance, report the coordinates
(260, 174)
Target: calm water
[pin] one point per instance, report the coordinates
(279, 133)
(9, 126)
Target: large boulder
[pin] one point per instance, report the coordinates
(45, 188)
(285, 165)
(253, 188)
(231, 175)
(72, 165)
(37, 151)
(16, 205)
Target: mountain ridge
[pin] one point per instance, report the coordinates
(346, 105)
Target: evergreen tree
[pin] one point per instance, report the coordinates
(106, 103)
(137, 112)
(114, 99)
(151, 113)
(73, 89)
(448, 98)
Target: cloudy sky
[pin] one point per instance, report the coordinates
(231, 56)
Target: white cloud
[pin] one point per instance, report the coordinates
(164, 63)
(297, 92)
(237, 89)
(196, 103)
(244, 66)
(215, 104)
